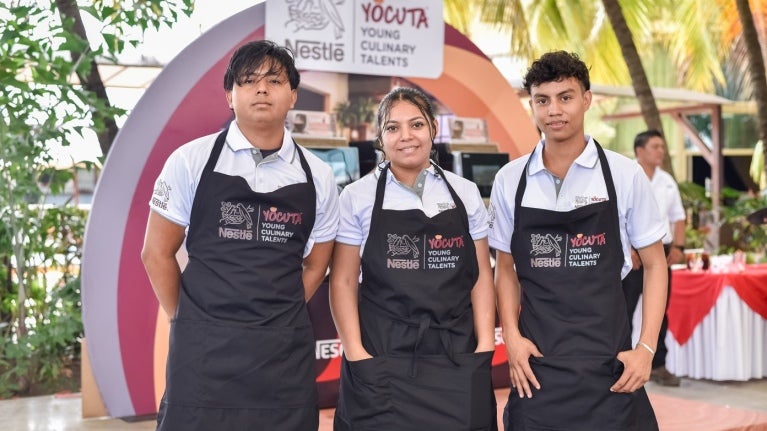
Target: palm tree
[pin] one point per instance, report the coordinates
(582, 26)
(756, 67)
(638, 75)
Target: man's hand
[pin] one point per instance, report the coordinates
(637, 365)
(675, 255)
(519, 351)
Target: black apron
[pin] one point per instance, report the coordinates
(241, 351)
(573, 309)
(417, 322)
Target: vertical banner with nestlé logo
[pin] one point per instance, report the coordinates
(367, 37)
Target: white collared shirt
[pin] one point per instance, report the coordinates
(666, 192)
(640, 220)
(357, 201)
(182, 171)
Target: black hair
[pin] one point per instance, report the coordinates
(250, 57)
(641, 139)
(556, 66)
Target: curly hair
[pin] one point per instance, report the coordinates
(556, 66)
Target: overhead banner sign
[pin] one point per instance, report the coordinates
(367, 37)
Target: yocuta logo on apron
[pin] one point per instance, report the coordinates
(278, 226)
(584, 249)
(440, 254)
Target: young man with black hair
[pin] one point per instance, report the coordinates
(649, 149)
(258, 215)
(562, 221)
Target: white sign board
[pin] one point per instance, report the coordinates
(367, 37)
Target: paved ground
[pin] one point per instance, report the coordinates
(697, 405)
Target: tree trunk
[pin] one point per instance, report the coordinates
(639, 80)
(21, 274)
(755, 68)
(7, 290)
(92, 81)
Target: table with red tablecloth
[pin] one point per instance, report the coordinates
(718, 324)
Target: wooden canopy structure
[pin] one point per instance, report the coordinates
(683, 103)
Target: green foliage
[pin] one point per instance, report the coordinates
(50, 348)
(41, 57)
(355, 111)
(687, 32)
(736, 232)
(743, 235)
(50, 352)
(121, 19)
(695, 202)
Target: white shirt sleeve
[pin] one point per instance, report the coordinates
(175, 187)
(326, 221)
(326, 211)
(478, 218)
(355, 211)
(501, 211)
(644, 224)
(676, 209)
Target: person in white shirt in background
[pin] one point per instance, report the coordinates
(649, 148)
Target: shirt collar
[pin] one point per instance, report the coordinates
(430, 171)
(588, 158)
(654, 172)
(237, 142)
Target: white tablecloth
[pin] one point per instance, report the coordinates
(730, 343)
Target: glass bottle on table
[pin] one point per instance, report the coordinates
(694, 259)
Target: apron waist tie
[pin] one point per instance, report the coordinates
(424, 323)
